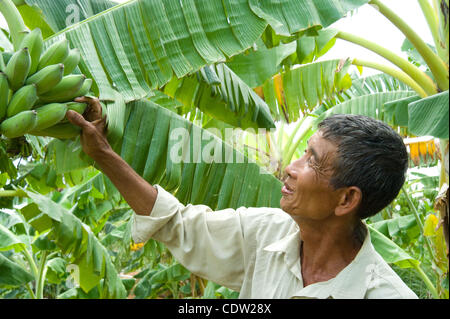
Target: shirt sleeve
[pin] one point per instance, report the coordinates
(208, 243)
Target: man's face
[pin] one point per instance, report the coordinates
(307, 193)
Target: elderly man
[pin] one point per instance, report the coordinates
(315, 246)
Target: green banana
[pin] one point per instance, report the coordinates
(19, 124)
(22, 100)
(47, 78)
(35, 44)
(72, 60)
(65, 90)
(4, 95)
(61, 131)
(49, 115)
(77, 107)
(17, 68)
(84, 89)
(55, 54)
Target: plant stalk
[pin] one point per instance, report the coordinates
(30, 291)
(398, 74)
(31, 262)
(436, 65)
(41, 276)
(287, 157)
(426, 280)
(414, 72)
(16, 25)
(419, 222)
(13, 193)
(432, 20)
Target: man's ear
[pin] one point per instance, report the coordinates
(349, 201)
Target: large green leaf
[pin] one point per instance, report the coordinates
(303, 88)
(153, 147)
(429, 116)
(371, 105)
(256, 66)
(141, 44)
(396, 112)
(287, 17)
(397, 226)
(63, 13)
(390, 251)
(8, 240)
(92, 261)
(221, 94)
(34, 18)
(11, 274)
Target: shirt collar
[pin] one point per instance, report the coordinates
(350, 283)
(290, 247)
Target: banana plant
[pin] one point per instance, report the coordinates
(152, 44)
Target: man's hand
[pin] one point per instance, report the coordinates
(139, 194)
(93, 137)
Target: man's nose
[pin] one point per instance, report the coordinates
(290, 170)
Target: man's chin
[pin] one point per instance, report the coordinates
(283, 205)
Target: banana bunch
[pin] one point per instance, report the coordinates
(37, 87)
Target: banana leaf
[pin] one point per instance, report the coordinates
(199, 168)
(220, 93)
(58, 15)
(89, 258)
(429, 116)
(141, 44)
(396, 112)
(390, 251)
(398, 226)
(371, 105)
(289, 17)
(259, 64)
(8, 240)
(11, 274)
(301, 89)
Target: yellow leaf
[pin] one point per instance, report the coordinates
(278, 84)
(429, 229)
(135, 247)
(259, 90)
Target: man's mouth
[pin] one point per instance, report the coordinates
(286, 190)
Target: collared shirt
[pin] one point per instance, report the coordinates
(256, 251)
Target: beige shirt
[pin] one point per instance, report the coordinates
(256, 251)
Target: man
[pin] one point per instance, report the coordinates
(315, 246)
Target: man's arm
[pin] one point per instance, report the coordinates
(139, 194)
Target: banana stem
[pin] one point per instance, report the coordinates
(436, 65)
(31, 262)
(41, 276)
(398, 74)
(414, 72)
(16, 25)
(13, 193)
(419, 222)
(287, 157)
(432, 20)
(426, 280)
